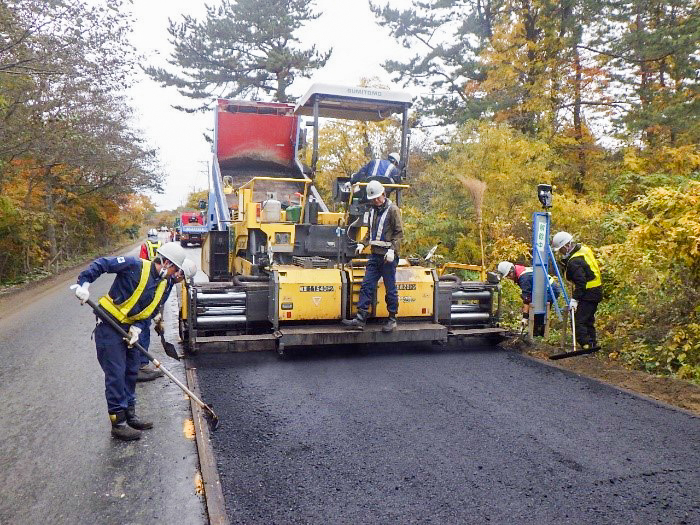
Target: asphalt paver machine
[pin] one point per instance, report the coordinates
(281, 267)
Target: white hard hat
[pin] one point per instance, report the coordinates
(189, 268)
(173, 252)
(152, 231)
(374, 189)
(561, 239)
(395, 158)
(504, 268)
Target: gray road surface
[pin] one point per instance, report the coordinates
(448, 435)
(58, 463)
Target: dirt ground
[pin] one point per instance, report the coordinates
(675, 392)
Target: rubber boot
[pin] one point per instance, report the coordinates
(390, 324)
(120, 429)
(134, 422)
(358, 323)
(148, 374)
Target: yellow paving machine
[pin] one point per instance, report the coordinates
(281, 267)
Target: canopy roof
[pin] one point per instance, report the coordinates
(353, 103)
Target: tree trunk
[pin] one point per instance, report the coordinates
(50, 225)
(578, 128)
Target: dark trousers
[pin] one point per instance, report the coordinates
(376, 269)
(120, 365)
(584, 318)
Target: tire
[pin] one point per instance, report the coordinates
(183, 244)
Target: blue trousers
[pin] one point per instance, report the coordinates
(377, 268)
(145, 341)
(120, 365)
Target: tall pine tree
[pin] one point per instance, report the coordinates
(241, 48)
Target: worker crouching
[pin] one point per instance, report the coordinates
(384, 239)
(138, 290)
(523, 277)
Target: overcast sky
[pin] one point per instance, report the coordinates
(359, 47)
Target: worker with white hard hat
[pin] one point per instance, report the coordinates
(140, 287)
(384, 235)
(523, 277)
(582, 269)
(150, 245)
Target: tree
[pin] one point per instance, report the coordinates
(243, 47)
(447, 37)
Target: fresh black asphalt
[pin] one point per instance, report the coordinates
(465, 434)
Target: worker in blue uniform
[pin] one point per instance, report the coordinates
(138, 290)
(388, 168)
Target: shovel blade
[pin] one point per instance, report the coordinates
(169, 348)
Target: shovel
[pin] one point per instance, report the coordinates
(211, 417)
(168, 347)
(574, 352)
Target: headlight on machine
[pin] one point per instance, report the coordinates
(283, 238)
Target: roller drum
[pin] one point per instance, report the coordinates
(220, 310)
(464, 308)
(221, 298)
(220, 321)
(480, 295)
(470, 317)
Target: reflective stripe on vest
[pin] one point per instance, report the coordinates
(151, 247)
(375, 238)
(588, 256)
(121, 311)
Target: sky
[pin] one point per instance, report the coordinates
(359, 48)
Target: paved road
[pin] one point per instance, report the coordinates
(444, 435)
(58, 463)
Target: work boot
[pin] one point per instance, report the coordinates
(358, 323)
(134, 422)
(146, 373)
(120, 429)
(390, 324)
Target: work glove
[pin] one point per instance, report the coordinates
(359, 248)
(524, 321)
(132, 336)
(159, 323)
(81, 291)
(389, 257)
(573, 304)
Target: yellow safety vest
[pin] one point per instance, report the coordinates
(152, 247)
(121, 311)
(588, 256)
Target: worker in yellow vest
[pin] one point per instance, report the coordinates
(150, 245)
(581, 268)
(138, 290)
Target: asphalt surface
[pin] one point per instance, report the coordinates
(443, 435)
(58, 462)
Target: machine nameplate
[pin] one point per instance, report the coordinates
(316, 288)
(406, 287)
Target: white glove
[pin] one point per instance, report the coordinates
(81, 291)
(159, 323)
(359, 248)
(389, 257)
(132, 336)
(573, 304)
(524, 321)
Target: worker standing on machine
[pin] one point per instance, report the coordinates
(388, 168)
(384, 235)
(523, 276)
(150, 245)
(139, 288)
(581, 268)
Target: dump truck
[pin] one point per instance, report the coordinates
(282, 269)
(192, 229)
